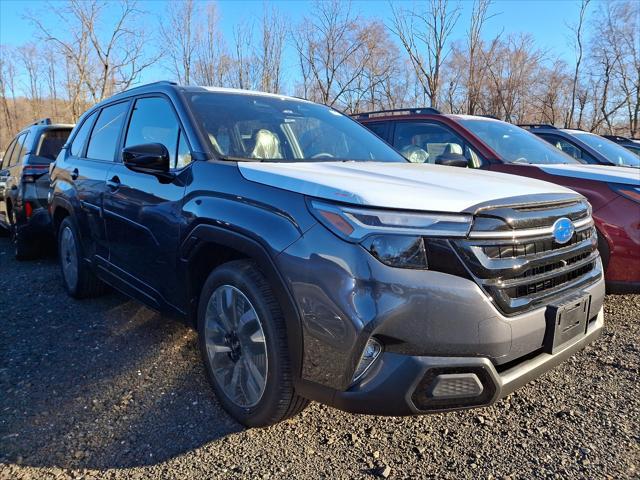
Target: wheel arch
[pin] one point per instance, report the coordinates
(208, 246)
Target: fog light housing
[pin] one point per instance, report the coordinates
(398, 250)
(371, 352)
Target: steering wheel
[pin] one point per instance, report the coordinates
(322, 155)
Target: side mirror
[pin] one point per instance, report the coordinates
(452, 160)
(150, 158)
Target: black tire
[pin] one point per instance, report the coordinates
(86, 283)
(23, 248)
(279, 400)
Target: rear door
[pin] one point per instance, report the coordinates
(91, 156)
(12, 178)
(4, 174)
(143, 213)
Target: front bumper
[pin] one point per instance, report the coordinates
(345, 296)
(403, 385)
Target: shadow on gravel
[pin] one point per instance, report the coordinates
(99, 383)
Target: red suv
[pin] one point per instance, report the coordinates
(426, 135)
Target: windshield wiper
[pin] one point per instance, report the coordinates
(231, 158)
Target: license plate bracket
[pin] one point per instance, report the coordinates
(565, 321)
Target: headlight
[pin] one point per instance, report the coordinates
(355, 223)
(628, 191)
(393, 237)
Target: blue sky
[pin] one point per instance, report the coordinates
(545, 19)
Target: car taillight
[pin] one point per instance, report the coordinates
(32, 172)
(28, 209)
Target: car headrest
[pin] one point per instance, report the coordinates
(266, 145)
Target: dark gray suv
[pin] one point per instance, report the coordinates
(24, 185)
(315, 262)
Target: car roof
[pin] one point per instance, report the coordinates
(167, 86)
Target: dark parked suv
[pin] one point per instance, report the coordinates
(584, 146)
(24, 184)
(315, 261)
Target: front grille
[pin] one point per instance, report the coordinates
(516, 260)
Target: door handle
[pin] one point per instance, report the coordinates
(113, 183)
(74, 174)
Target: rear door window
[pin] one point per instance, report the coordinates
(7, 154)
(18, 149)
(106, 132)
(50, 144)
(77, 146)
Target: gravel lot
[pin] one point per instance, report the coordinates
(107, 388)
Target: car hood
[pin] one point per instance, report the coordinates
(407, 186)
(602, 173)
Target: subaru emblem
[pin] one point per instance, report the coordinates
(563, 230)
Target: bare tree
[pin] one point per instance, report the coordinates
(269, 54)
(180, 37)
(577, 31)
(8, 91)
(475, 72)
(30, 58)
(425, 36)
(332, 52)
(106, 62)
(212, 62)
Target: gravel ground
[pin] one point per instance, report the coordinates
(106, 388)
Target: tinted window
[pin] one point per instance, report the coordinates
(7, 154)
(514, 144)
(184, 153)
(81, 137)
(154, 121)
(16, 154)
(612, 151)
(50, 144)
(380, 129)
(274, 128)
(426, 142)
(563, 145)
(104, 137)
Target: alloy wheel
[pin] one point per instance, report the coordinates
(236, 346)
(69, 257)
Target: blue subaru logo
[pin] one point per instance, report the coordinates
(563, 230)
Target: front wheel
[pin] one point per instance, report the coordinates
(243, 343)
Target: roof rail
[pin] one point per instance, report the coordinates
(398, 111)
(618, 138)
(42, 121)
(537, 125)
(159, 82)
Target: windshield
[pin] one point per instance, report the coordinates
(279, 129)
(514, 144)
(616, 154)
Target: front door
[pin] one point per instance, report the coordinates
(142, 212)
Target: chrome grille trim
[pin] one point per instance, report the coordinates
(521, 268)
(531, 232)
